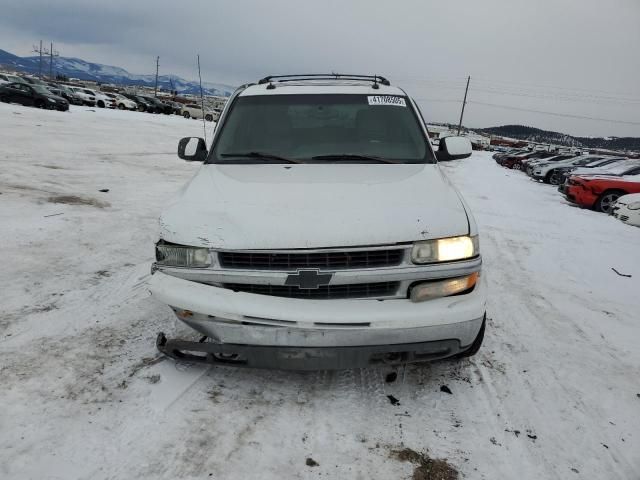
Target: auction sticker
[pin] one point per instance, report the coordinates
(387, 100)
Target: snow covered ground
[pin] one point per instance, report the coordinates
(554, 392)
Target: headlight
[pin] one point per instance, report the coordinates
(634, 206)
(51, 100)
(182, 256)
(445, 249)
(442, 288)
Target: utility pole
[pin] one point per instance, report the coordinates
(39, 52)
(464, 102)
(155, 90)
(52, 54)
(204, 123)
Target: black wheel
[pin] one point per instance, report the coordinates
(547, 177)
(100, 104)
(477, 343)
(208, 117)
(121, 106)
(555, 177)
(517, 166)
(39, 104)
(605, 201)
(4, 99)
(186, 115)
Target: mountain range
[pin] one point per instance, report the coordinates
(532, 134)
(83, 70)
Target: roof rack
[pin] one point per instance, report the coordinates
(323, 76)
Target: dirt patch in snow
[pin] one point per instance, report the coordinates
(75, 200)
(426, 468)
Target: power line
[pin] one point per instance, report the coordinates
(553, 87)
(561, 96)
(555, 114)
(535, 91)
(439, 100)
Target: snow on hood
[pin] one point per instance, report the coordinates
(619, 178)
(313, 206)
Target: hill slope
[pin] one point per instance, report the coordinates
(78, 68)
(533, 134)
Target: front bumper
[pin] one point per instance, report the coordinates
(626, 215)
(306, 358)
(579, 195)
(229, 317)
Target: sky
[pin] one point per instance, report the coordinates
(544, 63)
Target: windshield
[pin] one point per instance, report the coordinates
(619, 168)
(41, 89)
(321, 128)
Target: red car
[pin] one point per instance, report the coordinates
(601, 192)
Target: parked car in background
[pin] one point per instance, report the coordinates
(155, 105)
(32, 95)
(193, 110)
(619, 164)
(500, 157)
(566, 172)
(143, 105)
(549, 172)
(515, 161)
(102, 99)
(176, 107)
(627, 209)
(528, 165)
(87, 96)
(8, 78)
(33, 81)
(600, 192)
(66, 93)
(122, 102)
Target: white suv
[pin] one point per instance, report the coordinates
(321, 233)
(87, 96)
(122, 102)
(193, 110)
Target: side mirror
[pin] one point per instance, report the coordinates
(453, 148)
(192, 149)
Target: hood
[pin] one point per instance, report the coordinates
(601, 176)
(58, 98)
(313, 206)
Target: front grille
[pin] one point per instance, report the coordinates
(319, 260)
(326, 292)
(624, 218)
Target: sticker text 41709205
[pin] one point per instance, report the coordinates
(387, 100)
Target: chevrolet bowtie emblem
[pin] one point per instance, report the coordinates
(308, 279)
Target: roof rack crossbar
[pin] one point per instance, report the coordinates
(323, 76)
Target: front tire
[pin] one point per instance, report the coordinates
(100, 104)
(605, 201)
(477, 343)
(39, 104)
(208, 117)
(186, 115)
(555, 178)
(121, 106)
(4, 99)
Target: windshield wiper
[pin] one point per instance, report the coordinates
(368, 158)
(262, 155)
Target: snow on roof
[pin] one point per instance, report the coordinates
(322, 87)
